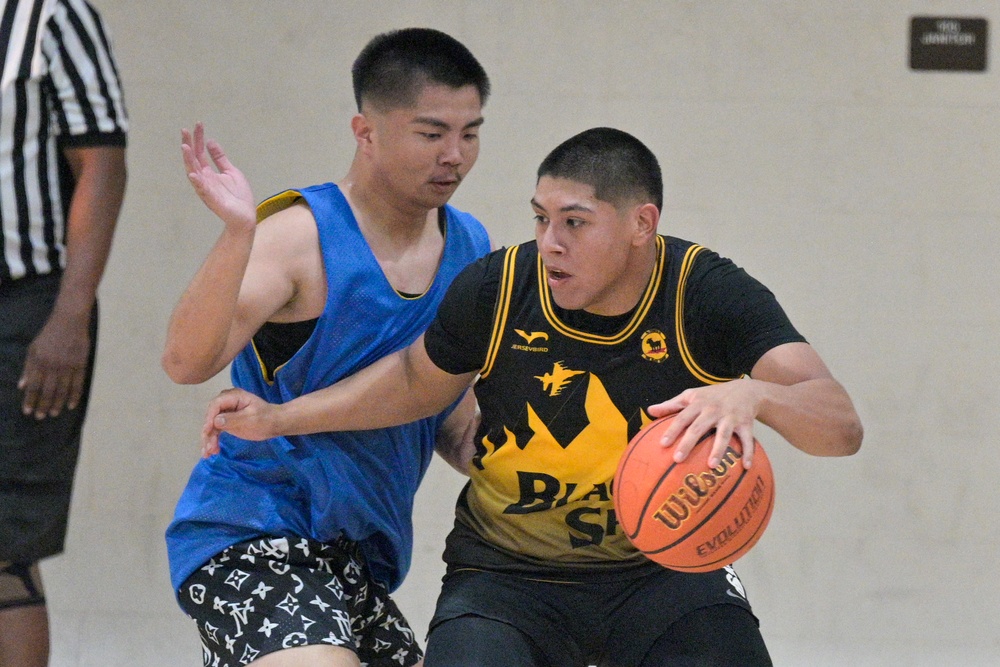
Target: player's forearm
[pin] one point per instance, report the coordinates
(816, 416)
(456, 438)
(200, 325)
(388, 393)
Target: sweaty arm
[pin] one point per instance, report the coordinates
(55, 366)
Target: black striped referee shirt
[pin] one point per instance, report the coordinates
(60, 88)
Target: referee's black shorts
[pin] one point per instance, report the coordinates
(37, 457)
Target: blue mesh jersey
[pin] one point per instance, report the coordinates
(359, 484)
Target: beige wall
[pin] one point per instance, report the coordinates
(793, 138)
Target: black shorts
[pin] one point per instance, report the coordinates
(578, 624)
(273, 593)
(37, 457)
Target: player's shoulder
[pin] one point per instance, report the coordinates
(699, 257)
(677, 246)
(286, 224)
(285, 205)
(508, 259)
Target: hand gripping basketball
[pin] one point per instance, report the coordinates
(687, 516)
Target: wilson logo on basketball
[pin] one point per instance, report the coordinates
(677, 508)
(742, 519)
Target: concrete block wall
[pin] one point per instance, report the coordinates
(793, 138)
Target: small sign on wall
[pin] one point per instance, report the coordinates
(944, 43)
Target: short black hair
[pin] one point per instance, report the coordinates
(391, 70)
(621, 169)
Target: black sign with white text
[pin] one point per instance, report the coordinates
(943, 43)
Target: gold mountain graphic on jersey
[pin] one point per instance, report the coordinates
(591, 457)
(529, 338)
(556, 380)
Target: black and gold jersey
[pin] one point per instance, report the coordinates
(562, 392)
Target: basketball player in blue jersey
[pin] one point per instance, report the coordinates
(577, 339)
(285, 551)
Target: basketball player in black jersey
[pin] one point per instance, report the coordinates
(578, 339)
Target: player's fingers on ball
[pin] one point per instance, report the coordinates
(723, 434)
(746, 439)
(665, 408)
(673, 430)
(679, 424)
(687, 441)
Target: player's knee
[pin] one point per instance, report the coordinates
(20, 585)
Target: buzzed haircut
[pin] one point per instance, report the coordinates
(393, 68)
(620, 168)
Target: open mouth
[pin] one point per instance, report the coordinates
(556, 276)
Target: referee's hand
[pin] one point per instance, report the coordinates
(56, 366)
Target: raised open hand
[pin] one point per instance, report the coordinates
(223, 187)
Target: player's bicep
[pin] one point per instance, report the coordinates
(429, 384)
(790, 364)
(283, 276)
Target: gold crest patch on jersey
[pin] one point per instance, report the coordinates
(654, 345)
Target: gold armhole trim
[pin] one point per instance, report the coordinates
(265, 209)
(692, 365)
(268, 378)
(502, 309)
(645, 303)
(278, 202)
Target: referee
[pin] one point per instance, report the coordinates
(62, 179)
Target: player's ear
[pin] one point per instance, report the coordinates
(647, 218)
(362, 128)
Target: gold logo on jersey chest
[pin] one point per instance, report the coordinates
(557, 379)
(654, 345)
(529, 338)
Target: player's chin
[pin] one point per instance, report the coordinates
(566, 298)
(441, 191)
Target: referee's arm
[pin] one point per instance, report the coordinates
(55, 367)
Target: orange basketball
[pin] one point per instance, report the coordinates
(687, 516)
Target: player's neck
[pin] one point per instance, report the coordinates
(631, 285)
(382, 217)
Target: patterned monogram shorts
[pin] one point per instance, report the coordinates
(273, 593)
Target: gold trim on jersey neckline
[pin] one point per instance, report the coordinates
(645, 302)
